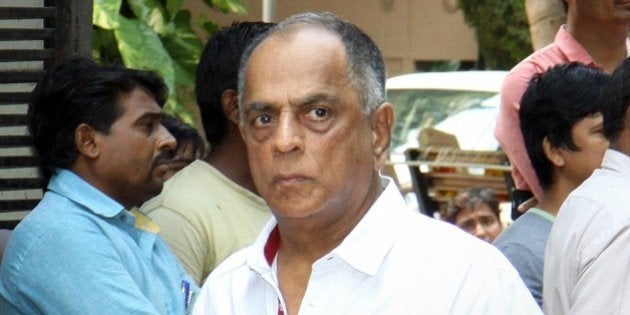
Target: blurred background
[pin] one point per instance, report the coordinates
(167, 36)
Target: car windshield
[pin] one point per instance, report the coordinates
(453, 111)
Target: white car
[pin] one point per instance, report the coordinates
(462, 103)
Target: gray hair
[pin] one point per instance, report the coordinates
(365, 66)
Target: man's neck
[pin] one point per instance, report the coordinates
(622, 143)
(554, 196)
(606, 44)
(230, 158)
(305, 240)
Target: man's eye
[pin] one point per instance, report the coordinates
(318, 113)
(150, 125)
(263, 119)
(487, 221)
(467, 225)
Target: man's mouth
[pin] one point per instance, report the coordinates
(290, 179)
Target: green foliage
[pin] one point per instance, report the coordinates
(502, 30)
(156, 35)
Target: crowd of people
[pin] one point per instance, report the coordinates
(286, 211)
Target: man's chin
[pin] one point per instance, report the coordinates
(161, 173)
(153, 189)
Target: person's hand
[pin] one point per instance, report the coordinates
(527, 204)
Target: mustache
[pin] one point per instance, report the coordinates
(164, 157)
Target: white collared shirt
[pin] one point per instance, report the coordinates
(393, 262)
(587, 259)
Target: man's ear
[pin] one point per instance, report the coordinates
(382, 123)
(86, 141)
(552, 153)
(229, 102)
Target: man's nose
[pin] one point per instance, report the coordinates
(288, 136)
(166, 141)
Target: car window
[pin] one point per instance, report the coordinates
(415, 109)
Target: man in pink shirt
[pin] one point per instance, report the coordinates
(595, 34)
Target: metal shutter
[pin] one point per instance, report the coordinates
(34, 34)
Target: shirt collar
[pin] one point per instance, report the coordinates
(543, 214)
(364, 249)
(73, 187)
(617, 161)
(367, 246)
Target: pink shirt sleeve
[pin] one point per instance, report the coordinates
(508, 130)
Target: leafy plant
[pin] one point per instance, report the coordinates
(502, 31)
(156, 35)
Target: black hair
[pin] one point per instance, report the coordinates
(616, 100)
(218, 71)
(552, 104)
(79, 91)
(184, 134)
(469, 199)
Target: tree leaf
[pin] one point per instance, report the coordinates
(105, 13)
(184, 48)
(172, 7)
(155, 35)
(206, 24)
(150, 12)
(104, 47)
(237, 6)
(141, 48)
(502, 31)
(227, 6)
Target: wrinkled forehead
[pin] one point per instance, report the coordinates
(287, 49)
(298, 35)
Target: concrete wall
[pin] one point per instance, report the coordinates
(406, 30)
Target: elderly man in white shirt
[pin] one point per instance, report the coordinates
(587, 258)
(317, 129)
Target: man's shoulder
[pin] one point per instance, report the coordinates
(443, 241)
(538, 62)
(193, 176)
(53, 214)
(525, 231)
(601, 200)
(604, 189)
(594, 214)
(234, 263)
(48, 232)
(190, 188)
(524, 241)
(199, 193)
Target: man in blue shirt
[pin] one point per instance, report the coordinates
(83, 250)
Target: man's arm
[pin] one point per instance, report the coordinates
(508, 130)
(493, 286)
(80, 272)
(529, 267)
